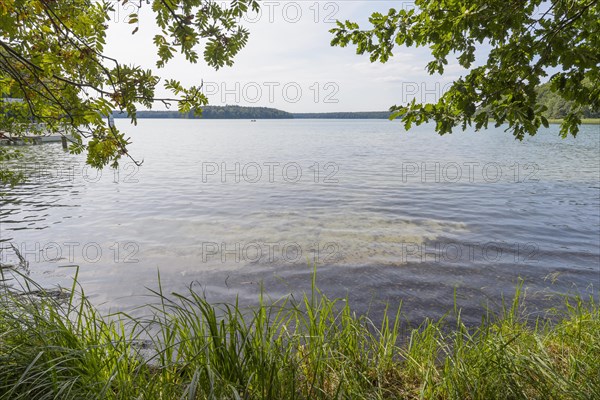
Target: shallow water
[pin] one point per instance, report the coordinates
(387, 215)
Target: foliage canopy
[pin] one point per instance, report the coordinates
(52, 58)
(527, 41)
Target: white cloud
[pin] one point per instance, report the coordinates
(284, 57)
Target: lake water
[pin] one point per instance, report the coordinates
(225, 206)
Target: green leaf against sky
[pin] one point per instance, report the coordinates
(528, 41)
(52, 57)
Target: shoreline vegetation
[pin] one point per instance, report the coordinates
(240, 112)
(584, 121)
(310, 348)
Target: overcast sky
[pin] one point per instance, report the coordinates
(289, 63)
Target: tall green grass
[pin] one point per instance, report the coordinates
(309, 348)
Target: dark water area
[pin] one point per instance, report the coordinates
(230, 207)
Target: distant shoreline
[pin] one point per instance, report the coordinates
(256, 113)
(584, 121)
(239, 112)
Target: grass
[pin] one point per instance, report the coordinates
(310, 348)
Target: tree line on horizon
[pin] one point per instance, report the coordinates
(242, 112)
(557, 108)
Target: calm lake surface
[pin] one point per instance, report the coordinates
(387, 215)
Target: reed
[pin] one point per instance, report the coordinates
(308, 348)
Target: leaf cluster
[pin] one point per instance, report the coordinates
(526, 41)
(56, 78)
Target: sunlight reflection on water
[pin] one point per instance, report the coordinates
(387, 215)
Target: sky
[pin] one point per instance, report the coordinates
(289, 63)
